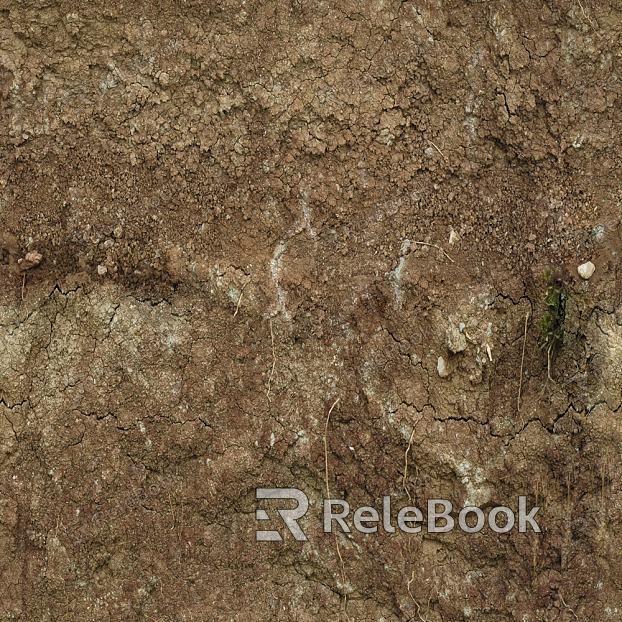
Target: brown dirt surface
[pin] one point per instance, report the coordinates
(244, 211)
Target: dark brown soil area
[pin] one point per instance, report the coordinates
(247, 211)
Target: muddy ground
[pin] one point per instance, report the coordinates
(247, 211)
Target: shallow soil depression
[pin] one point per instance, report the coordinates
(287, 285)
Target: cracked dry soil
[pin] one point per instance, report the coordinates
(229, 200)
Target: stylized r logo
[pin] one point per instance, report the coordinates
(290, 517)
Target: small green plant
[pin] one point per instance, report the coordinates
(552, 324)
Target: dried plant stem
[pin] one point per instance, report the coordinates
(522, 361)
(343, 573)
(273, 362)
(567, 607)
(437, 148)
(435, 246)
(406, 457)
(237, 307)
(412, 578)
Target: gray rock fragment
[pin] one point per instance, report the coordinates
(441, 367)
(456, 341)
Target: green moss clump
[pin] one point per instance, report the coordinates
(552, 324)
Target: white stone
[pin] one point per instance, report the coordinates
(441, 367)
(101, 270)
(586, 270)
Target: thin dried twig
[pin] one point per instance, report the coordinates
(237, 307)
(567, 607)
(412, 578)
(172, 513)
(343, 573)
(435, 246)
(406, 464)
(23, 285)
(435, 147)
(587, 17)
(273, 362)
(520, 383)
(406, 458)
(326, 445)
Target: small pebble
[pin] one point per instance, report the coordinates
(441, 367)
(586, 270)
(101, 270)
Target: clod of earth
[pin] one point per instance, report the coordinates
(32, 259)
